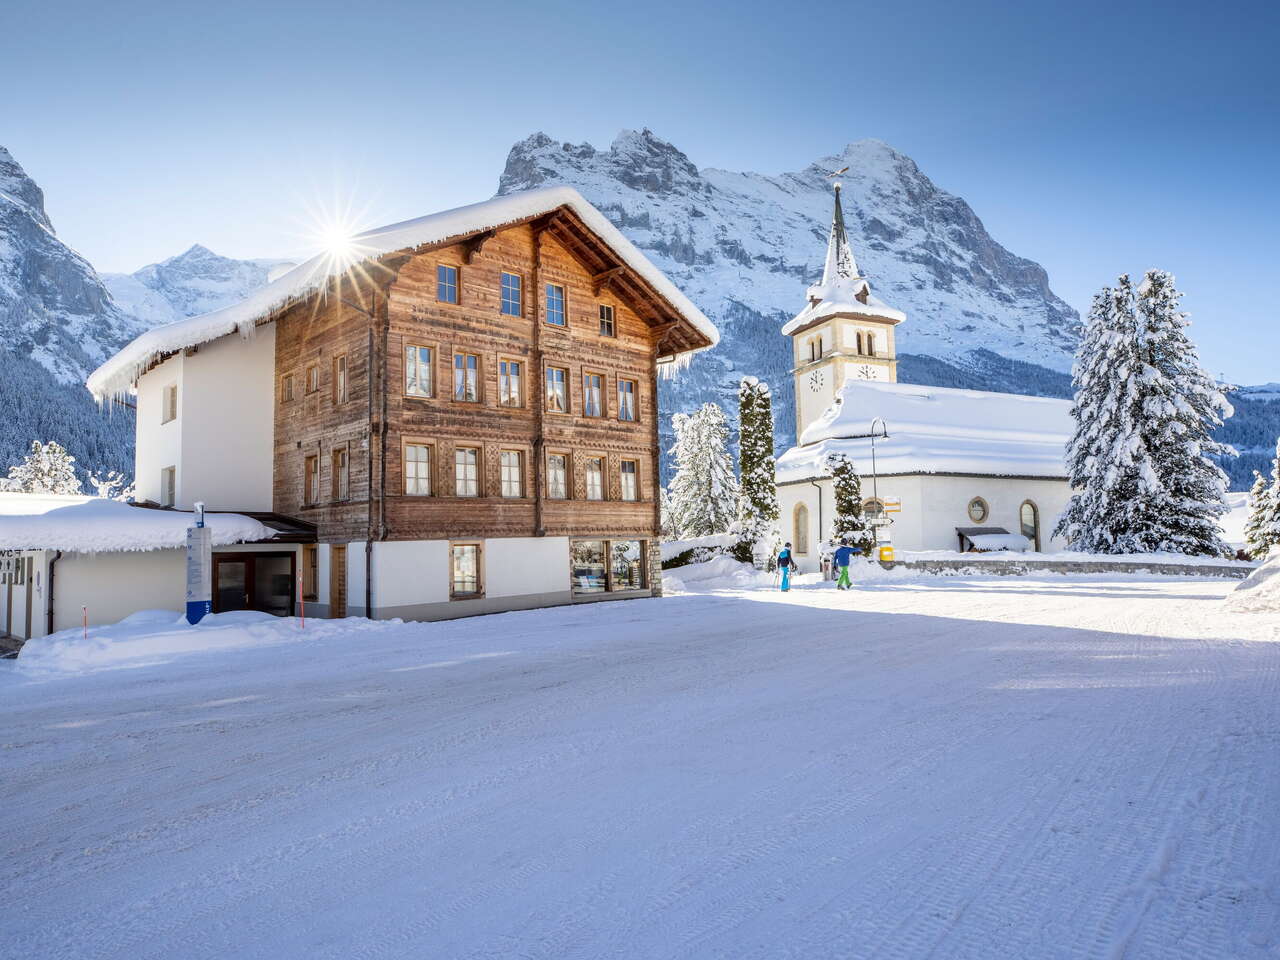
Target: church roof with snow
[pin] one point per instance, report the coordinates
(935, 430)
(117, 375)
(842, 290)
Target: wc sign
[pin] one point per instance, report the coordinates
(199, 568)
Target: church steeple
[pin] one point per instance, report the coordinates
(840, 273)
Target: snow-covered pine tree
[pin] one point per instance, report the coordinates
(1181, 406)
(756, 525)
(1269, 516)
(1103, 466)
(669, 529)
(703, 494)
(47, 468)
(1258, 537)
(849, 523)
(113, 486)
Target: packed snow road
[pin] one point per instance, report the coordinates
(934, 768)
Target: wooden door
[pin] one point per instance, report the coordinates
(337, 580)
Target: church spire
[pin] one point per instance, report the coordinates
(840, 263)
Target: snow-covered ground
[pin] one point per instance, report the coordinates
(921, 767)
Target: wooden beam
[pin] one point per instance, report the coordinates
(605, 278)
(476, 244)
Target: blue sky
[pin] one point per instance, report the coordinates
(1094, 138)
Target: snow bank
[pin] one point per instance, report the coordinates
(1070, 556)
(153, 636)
(94, 525)
(714, 541)
(936, 430)
(1005, 542)
(1260, 592)
(722, 573)
(117, 375)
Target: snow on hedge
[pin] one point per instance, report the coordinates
(30, 521)
(935, 430)
(1260, 592)
(117, 375)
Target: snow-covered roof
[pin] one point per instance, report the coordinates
(118, 374)
(936, 430)
(76, 524)
(842, 289)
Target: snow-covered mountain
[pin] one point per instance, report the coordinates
(189, 284)
(57, 323)
(744, 247)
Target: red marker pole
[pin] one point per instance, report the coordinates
(84, 614)
(302, 604)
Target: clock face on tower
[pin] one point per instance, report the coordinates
(866, 372)
(815, 381)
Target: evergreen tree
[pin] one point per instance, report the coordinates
(1181, 406)
(849, 523)
(47, 468)
(756, 526)
(1258, 537)
(669, 529)
(1269, 514)
(1140, 458)
(113, 486)
(703, 493)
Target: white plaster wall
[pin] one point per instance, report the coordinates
(904, 534)
(227, 411)
(114, 585)
(523, 565)
(945, 505)
(157, 445)
(406, 572)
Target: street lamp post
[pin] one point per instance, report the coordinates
(875, 476)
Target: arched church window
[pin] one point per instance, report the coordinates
(1029, 521)
(800, 532)
(871, 344)
(872, 509)
(858, 335)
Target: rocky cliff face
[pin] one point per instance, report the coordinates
(57, 322)
(189, 284)
(744, 246)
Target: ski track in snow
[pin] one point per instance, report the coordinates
(935, 768)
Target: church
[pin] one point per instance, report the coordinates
(941, 469)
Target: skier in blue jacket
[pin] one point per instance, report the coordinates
(785, 563)
(844, 554)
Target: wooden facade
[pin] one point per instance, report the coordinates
(342, 396)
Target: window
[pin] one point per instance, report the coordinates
(555, 304)
(417, 469)
(596, 566)
(286, 388)
(626, 400)
(310, 480)
(800, 529)
(815, 349)
(464, 569)
(168, 486)
(1029, 523)
(558, 476)
(512, 464)
(978, 510)
(592, 395)
(606, 321)
(466, 472)
(557, 390)
(510, 392)
(313, 378)
(587, 566)
(446, 283)
(340, 379)
(340, 475)
(628, 564)
(872, 509)
(466, 377)
(512, 303)
(310, 571)
(871, 344)
(630, 480)
(595, 478)
(170, 401)
(417, 371)
(858, 335)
